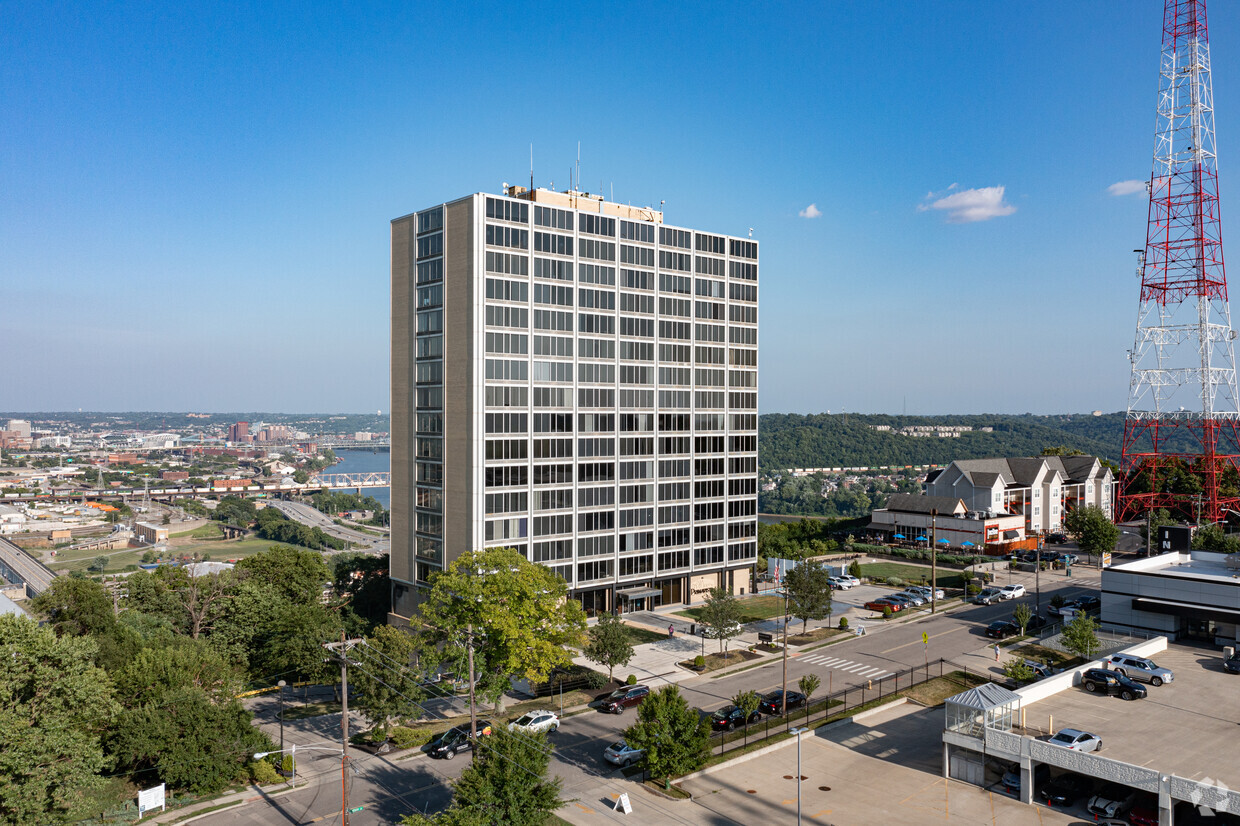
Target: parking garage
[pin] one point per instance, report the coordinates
(1175, 752)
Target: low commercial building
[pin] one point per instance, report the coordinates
(149, 534)
(909, 517)
(1187, 595)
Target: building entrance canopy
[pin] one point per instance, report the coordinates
(639, 593)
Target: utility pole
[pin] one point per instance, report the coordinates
(934, 560)
(344, 734)
(784, 695)
(473, 712)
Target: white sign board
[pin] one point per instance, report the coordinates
(149, 799)
(623, 804)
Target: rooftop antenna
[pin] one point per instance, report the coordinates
(579, 164)
(751, 232)
(531, 168)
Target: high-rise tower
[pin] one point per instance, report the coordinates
(578, 380)
(1181, 446)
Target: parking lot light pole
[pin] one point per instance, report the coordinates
(934, 560)
(798, 732)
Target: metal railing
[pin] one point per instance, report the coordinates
(836, 703)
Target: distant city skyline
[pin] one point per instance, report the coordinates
(197, 201)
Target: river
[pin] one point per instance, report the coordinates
(366, 461)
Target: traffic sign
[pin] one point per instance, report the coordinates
(356, 809)
(925, 638)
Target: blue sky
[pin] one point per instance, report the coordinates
(195, 199)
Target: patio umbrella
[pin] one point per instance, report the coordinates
(921, 539)
(966, 544)
(898, 536)
(944, 542)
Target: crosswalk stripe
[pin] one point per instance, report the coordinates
(823, 659)
(856, 667)
(835, 662)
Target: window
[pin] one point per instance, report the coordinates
(675, 283)
(551, 474)
(549, 268)
(507, 343)
(594, 323)
(430, 271)
(552, 320)
(596, 373)
(507, 423)
(551, 371)
(675, 261)
(553, 422)
(743, 314)
(674, 306)
(594, 348)
(514, 502)
(587, 448)
(637, 350)
(600, 250)
(504, 210)
(499, 289)
(505, 263)
(636, 565)
(596, 497)
(631, 231)
(637, 327)
(553, 448)
(595, 570)
(710, 243)
(637, 256)
(553, 294)
(596, 422)
(636, 470)
(506, 237)
(553, 346)
(430, 220)
(500, 396)
(596, 545)
(636, 303)
(596, 274)
(596, 299)
(552, 243)
(669, 237)
(430, 322)
(507, 370)
(596, 521)
(743, 249)
(430, 347)
(636, 280)
(743, 292)
(553, 218)
(597, 225)
(430, 245)
(672, 560)
(507, 316)
(708, 266)
(506, 449)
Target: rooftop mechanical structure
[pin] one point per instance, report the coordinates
(1181, 444)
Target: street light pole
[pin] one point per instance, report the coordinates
(798, 732)
(784, 694)
(934, 560)
(344, 733)
(473, 713)
(281, 684)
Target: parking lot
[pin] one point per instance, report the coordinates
(1187, 727)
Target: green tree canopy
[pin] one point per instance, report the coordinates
(1080, 636)
(722, 616)
(608, 644)
(55, 705)
(386, 685)
(1094, 532)
(507, 784)
(809, 591)
(517, 613)
(674, 737)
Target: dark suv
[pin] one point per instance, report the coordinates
(1101, 681)
(773, 703)
(623, 698)
(455, 740)
(1001, 628)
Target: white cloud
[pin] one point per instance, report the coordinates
(811, 211)
(969, 205)
(1126, 187)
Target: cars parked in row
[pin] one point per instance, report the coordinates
(1076, 740)
(1080, 604)
(910, 598)
(456, 740)
(1140, 668)
(622, 698)
(533, 722)
(1103, 681)
(1012, 591)
(925, 591)
(729, 717)
(773, 702)
(884, 602)
(622, 754)
(1065, 789)
(839, 583)
(1000, 629)
(988, 596)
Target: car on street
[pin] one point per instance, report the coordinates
(456, 740)
(1140, 668)
(988, 596)
(1055, 539)
(622, 754)
(1012, 591)
(1065, 789)
(729, 717)
(1011, 778)
(1069, 559)
(924, 590)
(1113, 800)
(772, 703)
(839, 583)
(1081, 605)
(626, 697)
(1232, 664)
(533, 722)
(1035, 622)
(1000, 629)
(1102, 681)
(1077, 740)
(884, 602)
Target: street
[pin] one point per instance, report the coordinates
(388, 788)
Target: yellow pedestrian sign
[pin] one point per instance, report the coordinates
(925, 638)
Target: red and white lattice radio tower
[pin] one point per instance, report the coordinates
(1181, 443)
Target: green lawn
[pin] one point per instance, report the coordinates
(211, 530)
(913, 574)
(752, 609)
(117, 560)
(638, 635)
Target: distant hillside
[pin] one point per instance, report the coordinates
(787, 440)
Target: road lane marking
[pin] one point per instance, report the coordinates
(919, 642)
